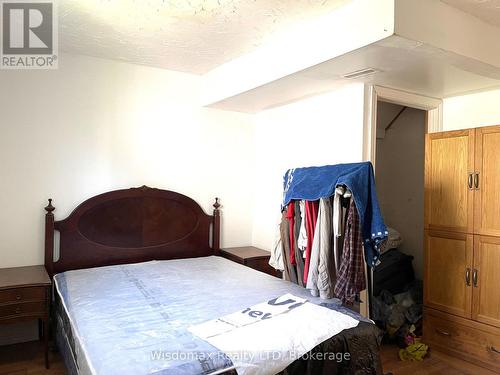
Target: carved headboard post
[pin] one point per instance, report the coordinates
(49, 238)
(216, 227)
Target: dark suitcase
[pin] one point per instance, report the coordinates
(393, 273)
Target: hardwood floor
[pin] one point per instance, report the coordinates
(435, 363)
(27, 359)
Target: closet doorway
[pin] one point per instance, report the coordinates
(396, 123)
(397, 294)
(400, 156)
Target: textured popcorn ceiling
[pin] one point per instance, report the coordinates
(486, 10)
(192, 36)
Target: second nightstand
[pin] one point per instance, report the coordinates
(252, 257)
(25, 295)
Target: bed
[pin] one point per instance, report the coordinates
(134, 269)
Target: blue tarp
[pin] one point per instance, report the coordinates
(312, 183)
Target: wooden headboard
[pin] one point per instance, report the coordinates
(129, 226)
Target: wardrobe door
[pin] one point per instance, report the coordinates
(449, 163)
(487, 182)
(448, 272)
(486, 280)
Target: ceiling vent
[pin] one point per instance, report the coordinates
(360, 73)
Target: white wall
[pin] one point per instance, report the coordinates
(96, 125)
(326, 129)
(400, 176)
(471, 111)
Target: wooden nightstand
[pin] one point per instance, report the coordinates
(252, 257)
(25, 295)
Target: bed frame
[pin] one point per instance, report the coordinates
(142, 224)
(130, 226)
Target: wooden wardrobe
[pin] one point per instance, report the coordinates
(462, 244)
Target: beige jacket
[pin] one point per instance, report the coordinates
(321, 277)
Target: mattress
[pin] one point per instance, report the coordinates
(134, 318)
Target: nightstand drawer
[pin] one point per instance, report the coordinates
(21, 309)
(23, 294)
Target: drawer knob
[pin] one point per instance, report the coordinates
(494, 350)
(18, 310)
(18, 297)
(443, 333)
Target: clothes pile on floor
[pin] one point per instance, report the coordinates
(414, 352)
(400, 315)
(398, 296)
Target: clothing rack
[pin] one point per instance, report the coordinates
(325, 246)
(355, 181)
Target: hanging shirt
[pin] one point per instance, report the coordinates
(276, 259)
(326, 272)
(311, 211)
(337, 228)
(290, 215)
(320, 279)
(302, 239)
(312, 275)
(289, 272)
(299, 260)
(351, 275)
(339, 215)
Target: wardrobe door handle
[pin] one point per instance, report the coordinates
(474, 277)
(494, 350)
(444, 333)
(469, 181)
(467, 276)
(476, 181)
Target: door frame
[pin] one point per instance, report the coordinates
(434, 120)
(373, 93)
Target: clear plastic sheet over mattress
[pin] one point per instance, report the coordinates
(133, 319)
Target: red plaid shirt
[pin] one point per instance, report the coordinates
(351, 274)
